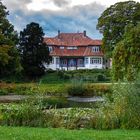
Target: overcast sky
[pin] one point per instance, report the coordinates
(54, 15)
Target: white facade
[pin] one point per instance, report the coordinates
(90, 62)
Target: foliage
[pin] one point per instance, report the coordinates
(122, 109)
(9, 56)
(60, 77)
(45, 102)
(113, 21)
(33, 50)
(51, 89)
(90, 76)
(98, 89)
(77, 88)
(126, 57)
(24, 115)
(29, 114)
(33, 89)
(126, 104)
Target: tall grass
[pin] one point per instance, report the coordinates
(77, 88)
(122, 110)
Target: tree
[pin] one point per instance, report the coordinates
(9, 57)
(113, 21)
(126, 56)
(34, 53)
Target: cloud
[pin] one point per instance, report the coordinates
(68, 19)
(61, 3)
(16, 4)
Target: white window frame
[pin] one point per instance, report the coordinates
(57, 60)
(50, 48)
(95, 60)
(86, 60)
(61, 47)
(72, 48)
(96, 48)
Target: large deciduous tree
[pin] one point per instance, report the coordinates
(34, 53)
(126, 56)
(113, 21)
(9, 57)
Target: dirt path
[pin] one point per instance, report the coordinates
(11, 98)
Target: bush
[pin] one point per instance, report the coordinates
(77, 88)
(22, 115)
(98, 89)
(101, 77)
(122, 109)
(50, 71)
(32, 88)
(50, 102)
(126, 104)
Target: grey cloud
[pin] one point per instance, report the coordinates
(61, 3)
(14, 5)
(70, 19)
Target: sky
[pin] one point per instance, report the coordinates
(53, 15)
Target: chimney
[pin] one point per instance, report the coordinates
(84, 33)
(58, 32)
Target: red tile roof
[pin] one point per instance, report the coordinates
(72, 39)
(80, 40)
(80, 51)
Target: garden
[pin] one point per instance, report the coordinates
(47, 105)
(39, 103)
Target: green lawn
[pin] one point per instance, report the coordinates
(22, 133)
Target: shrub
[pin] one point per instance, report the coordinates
(71, 118)
(22, 115)
(7, 88)
(50, 71)
(77, 88)
(98, 89)
(50, 102)
(126, 104)
(122, 110)
(32, 88)
(101, 77)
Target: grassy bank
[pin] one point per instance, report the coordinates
(22, 133)
(49, 89)
(57, 77)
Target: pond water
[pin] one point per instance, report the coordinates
(59, 102)
(84, 102)
(85, 99)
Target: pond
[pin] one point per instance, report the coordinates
(84, 102)
(59, 102)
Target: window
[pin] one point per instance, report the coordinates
(52, 60)
(72, 48)
(96, 49)
(64, 62)
(80, 61)
(61, 47)
(95, 61)
(57, 60)
(50, 49)
(86, 60)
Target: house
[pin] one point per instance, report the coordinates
(71, 51)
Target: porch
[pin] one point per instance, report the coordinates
(71, 63)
